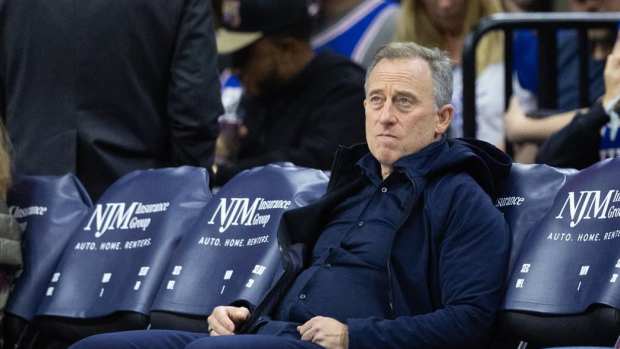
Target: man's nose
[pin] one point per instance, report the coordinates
(387, 113)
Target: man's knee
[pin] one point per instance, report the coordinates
(151, 339)
(250, 341)
(103, 341)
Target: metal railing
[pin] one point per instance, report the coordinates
(545, 25)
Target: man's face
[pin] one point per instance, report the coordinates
(257, 66)
(401, 115)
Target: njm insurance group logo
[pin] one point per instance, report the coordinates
(123, 216)
(245, 212)
(590, 204)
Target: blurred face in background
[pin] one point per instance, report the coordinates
(611, 5)
(585, 5)
(257, 66)
(527, 5)
(447, 15)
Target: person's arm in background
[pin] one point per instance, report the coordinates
(194, 102)
(576, 145)
(521, 128)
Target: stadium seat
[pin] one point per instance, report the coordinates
(111, 270)
(526, 197)
(232, 254)
(49, 209)
(564, 288)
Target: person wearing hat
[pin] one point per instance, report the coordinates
(298, 106)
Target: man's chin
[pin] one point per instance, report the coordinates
(386, 158)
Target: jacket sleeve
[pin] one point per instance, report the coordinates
(10, 240)
(338, 120)
(577, 144)
(472, 263)
(194, 89)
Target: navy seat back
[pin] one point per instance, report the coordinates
(49, 209)
(112, 269)
(564, 288)
(526, 197)
(232, 254)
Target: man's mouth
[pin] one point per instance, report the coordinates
(387, 135)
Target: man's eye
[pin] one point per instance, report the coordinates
(404, 101)
(376, 100)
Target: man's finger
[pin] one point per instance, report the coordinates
(239, 314)
(616, 49)
(216, 329)
(221, 317)
(309, 334)
(306, 326)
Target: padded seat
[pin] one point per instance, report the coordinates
(232, 255)
(564, 288)
(111, 270)
(49, 208)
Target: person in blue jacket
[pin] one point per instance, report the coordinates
(405, 250)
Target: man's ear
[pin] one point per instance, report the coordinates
(444, 118)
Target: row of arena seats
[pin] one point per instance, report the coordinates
(160, 250)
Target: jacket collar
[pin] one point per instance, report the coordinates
(345, 168)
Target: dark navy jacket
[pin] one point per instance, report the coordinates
(448, 259)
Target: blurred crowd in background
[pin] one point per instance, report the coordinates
(118, 86)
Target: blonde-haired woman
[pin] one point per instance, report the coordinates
(10, 233)
(445, 24)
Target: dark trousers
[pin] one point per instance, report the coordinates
(164, 339)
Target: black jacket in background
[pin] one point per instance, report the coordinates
(577, 144)
(304, 121)
(104, 87)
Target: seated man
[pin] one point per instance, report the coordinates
(298, 105)
(406, 249)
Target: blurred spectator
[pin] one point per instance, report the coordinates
(355, 28)
(527, 5)
(525, 43)
(445, 23)
(298, 106)
(10, 233)
(591, 135)
(526, 132)
(104, 87)
(352, 28)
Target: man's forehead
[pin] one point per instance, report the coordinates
(409, 72)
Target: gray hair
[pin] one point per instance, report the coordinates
(438, 61)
